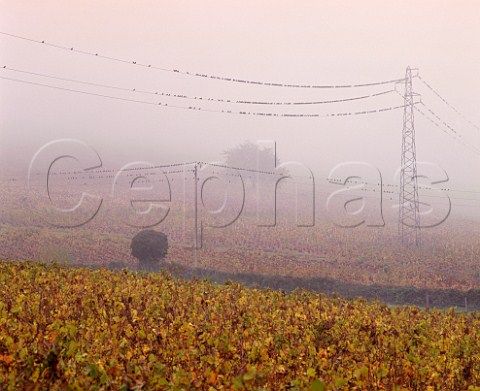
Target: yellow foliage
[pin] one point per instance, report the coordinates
(81, 329)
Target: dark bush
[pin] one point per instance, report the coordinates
(150, 248)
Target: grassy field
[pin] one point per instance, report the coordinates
(75, 328)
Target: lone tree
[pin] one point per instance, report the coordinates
(150, 248)
(252, 157)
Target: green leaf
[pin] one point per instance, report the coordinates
(361, 372)
(317, 385)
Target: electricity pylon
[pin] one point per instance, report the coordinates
(409, 214)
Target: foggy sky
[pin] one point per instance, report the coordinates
(322, 42)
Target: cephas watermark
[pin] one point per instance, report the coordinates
(216, 195)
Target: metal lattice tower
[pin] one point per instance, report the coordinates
(409, 214)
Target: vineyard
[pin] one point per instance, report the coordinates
(234, 196)
(75, 328)
(448, 258)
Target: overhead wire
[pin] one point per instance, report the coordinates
(456, 137)
(446, 127)
(238, 101)
(199, 98)
(448, 103)
(198, 108)
(331, 181)
(197, 74)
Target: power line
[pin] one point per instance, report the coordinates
(456, 137)
(198, 108)
(447, 103)
(241, 169)
(331, 181)
(198, 163)
(383, 189)
(198, 98)
(197, 74)
(436, 124)
(392, 185)
(441, 120)
(386, 193)
(466, 143)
